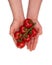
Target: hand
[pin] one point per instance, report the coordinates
(33, 42)
(33, 11)
(18, 16)
(14, 27)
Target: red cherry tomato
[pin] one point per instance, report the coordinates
(34, 32)
(20, 44)
(17, 35)
(27, 39)
(23, 29)
(28, 23)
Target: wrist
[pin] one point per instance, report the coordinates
(34, 19)
(16, 19)
(31, 16)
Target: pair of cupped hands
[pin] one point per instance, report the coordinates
(18, 21)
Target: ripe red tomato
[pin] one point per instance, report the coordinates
(27, 39)
(20, 44)
(28, 23)
(17, 35)
(34, 32)
(23, 29)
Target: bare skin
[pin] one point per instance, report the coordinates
(18, 18)
(33, 10)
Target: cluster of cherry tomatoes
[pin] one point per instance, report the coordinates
(25, 33)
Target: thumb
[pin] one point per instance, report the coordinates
(11, 33)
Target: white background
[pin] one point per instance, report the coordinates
(9, 54)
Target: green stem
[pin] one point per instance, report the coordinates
(25, 34)
(28, 30)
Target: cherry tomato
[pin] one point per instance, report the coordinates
(28, 23)
(17, 35)
(23, 29)
(34, 32)
(27, 39)
(20, 44)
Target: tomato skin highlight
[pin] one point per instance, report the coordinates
(34, 32)
(16, 35)
(28, 23)
(20, 44)
(22, 29)
(27, 39)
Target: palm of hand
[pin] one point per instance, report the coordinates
(14, 27)
(33, 42)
